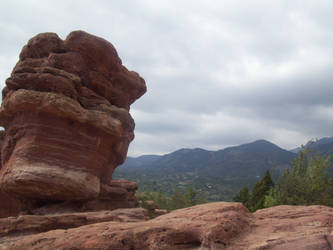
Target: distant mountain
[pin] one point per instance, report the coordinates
(218, 173)
(183, 160)
(295, 150)
(323, 145)
(253, 158)
(141, 161)
(324, 140)
(324, 148)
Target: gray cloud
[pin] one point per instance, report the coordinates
(219, 73)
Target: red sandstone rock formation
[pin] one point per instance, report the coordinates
(153, 208)
(288, 227)
(8, 205)
(33, 224)
(213, 226)
(65, 111)
(119, 194)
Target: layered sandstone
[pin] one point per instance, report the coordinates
(213, 226)
(119, 194)
(9, 206)
(65, 111)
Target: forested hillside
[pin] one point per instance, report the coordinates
(217, 175)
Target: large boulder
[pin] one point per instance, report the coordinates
(214, 226)
(65, 111)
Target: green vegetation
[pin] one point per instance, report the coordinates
(306, 182)
(260, 190)
(177, 200)
(217, 175)
(212, 188)
(256, 200)
(243, 196)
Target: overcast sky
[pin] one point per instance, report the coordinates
(219, 73)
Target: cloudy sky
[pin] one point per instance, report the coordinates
(219, 73)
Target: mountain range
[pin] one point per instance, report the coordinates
(324, 145)
(218, 174)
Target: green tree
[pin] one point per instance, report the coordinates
(190, 196)
(177, 200)
(161, 200)
(193, 197)
(260, 190)
(307, 182)
(243, 196)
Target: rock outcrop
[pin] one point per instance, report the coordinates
(119, 194)
(288, 227)
(31, 224)
(213, 226)
(65, 111)
(153, 208)
(9, 206)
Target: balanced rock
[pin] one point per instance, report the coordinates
(65, 111)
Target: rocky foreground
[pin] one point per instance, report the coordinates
(218, 225)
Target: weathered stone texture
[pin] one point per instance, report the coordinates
(9, 206)
(65, 111)
(212, 226)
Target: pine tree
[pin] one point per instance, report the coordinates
(260, 190)
(307, 182)
(243, 196)
(177, 200)
(190, 196)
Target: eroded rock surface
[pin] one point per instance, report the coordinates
(42, 223)
(9, 206)
(119, 194)
(214, 226)
(65, 111)
(289, 227)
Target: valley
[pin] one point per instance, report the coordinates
(215, 175)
